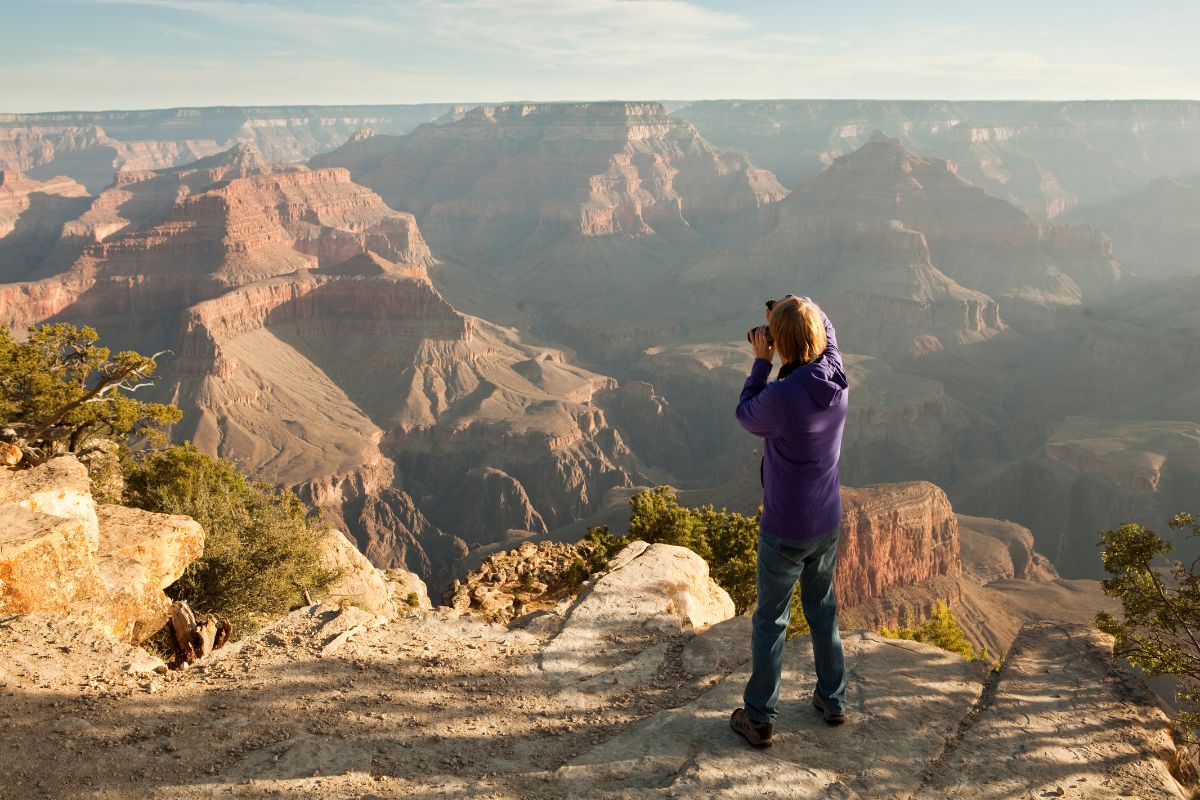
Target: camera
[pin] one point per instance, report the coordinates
(770, 304)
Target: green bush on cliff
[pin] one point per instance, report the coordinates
(941, 629)
(261, 550)
(656, 517)
(726, 540)
(1159, 628)
(62, 392)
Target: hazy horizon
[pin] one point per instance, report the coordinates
(92, 55)
(567, 101)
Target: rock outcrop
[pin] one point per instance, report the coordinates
(615, 696)
(60, 552)
(925, 724)
(894, 535)
(359, 583)
(525, 580)
(659, 588)
(1086, 725)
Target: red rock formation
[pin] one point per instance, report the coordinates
(894, 535)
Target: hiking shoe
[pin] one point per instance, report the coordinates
(757, 735)
(832, 717)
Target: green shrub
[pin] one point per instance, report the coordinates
(941, 629)
(656, 517)
(600, 545)
(728, 541)
(797, 623)
(261, 550)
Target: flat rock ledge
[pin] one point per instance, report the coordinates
(1060, 719)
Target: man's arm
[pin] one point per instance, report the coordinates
(758, 409)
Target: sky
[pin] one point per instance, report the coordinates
(128, 54)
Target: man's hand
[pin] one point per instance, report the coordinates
(762, 348)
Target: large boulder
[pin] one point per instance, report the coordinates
(649, 592)
(360, 583)
(49, 536)
(140, 554)
(62, 553)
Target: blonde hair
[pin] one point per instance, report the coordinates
(798, 328)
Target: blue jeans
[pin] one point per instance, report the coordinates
(781, 562)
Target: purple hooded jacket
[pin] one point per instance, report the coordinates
(800, 418)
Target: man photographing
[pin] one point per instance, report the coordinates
(800, 418)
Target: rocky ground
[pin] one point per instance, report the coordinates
(610, 695)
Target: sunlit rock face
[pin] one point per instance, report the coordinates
(62, 553)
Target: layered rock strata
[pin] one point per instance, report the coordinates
(893, 535)
(907, 256)
(61, 552)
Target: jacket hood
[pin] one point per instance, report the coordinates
(824, 382)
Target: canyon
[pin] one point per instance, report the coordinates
(466, 334)
(457, 328)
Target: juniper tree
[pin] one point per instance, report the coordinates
(1158, 630)
(62, 392)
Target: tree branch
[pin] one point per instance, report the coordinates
(100, 388)
(1171, 609)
